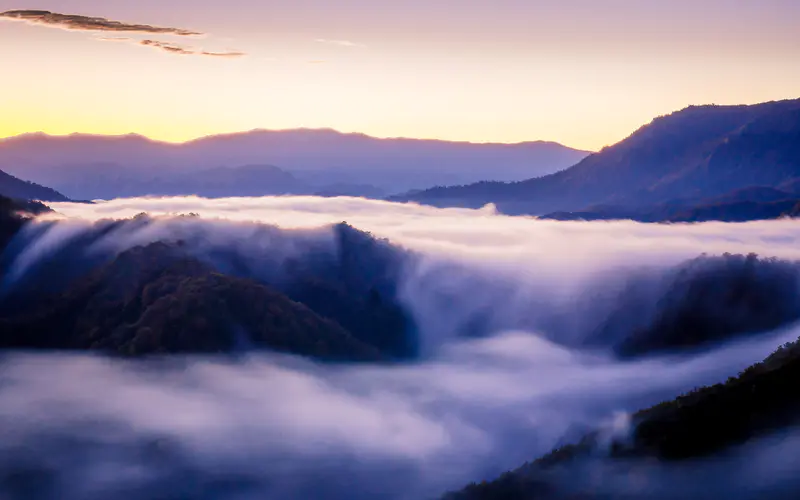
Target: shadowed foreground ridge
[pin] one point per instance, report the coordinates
(14, 214)
(354, 281)
(152, 300)
(169, 298)
(703, 301)
(761, 400)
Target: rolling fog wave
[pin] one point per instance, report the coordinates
(269, 426)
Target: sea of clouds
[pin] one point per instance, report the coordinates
(268, 426)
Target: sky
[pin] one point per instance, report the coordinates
(585, 73)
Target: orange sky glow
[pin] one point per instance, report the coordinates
(581, 72)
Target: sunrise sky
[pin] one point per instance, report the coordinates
(585, 73)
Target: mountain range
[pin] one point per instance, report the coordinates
(319, 160)
(678, 165)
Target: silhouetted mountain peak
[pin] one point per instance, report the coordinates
(698, 152)
(13, 187)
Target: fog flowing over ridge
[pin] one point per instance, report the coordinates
(506, 309)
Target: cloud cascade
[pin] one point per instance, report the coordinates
(530, 273)
(269, 426)
(273, 427)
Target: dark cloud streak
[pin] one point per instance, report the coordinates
(168, 47)
(87, 23)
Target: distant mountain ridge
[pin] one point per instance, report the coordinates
(698, 152)
(320, 158)
(747, 204)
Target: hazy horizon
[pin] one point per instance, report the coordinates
(584, 74)
(279, 130)
(352, 133)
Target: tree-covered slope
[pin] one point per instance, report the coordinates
(329, 298)
(698, 152)
(155, 300)
(763, 399)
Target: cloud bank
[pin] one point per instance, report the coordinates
(272, 427)
(269, 426)
(531, 274)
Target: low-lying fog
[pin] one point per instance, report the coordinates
(269, 426)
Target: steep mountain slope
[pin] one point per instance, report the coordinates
(762, 399)
(316, 157)
(154, 300)
(703, 301)
(699, 152)
(13, 187)
(188, 297)
(14, 214)
(691, 306)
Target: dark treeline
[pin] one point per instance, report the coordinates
(702, 301)
(631, 311)
(761, 400)
(88, 291)
(329, 300)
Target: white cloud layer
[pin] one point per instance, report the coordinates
(267, 426)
